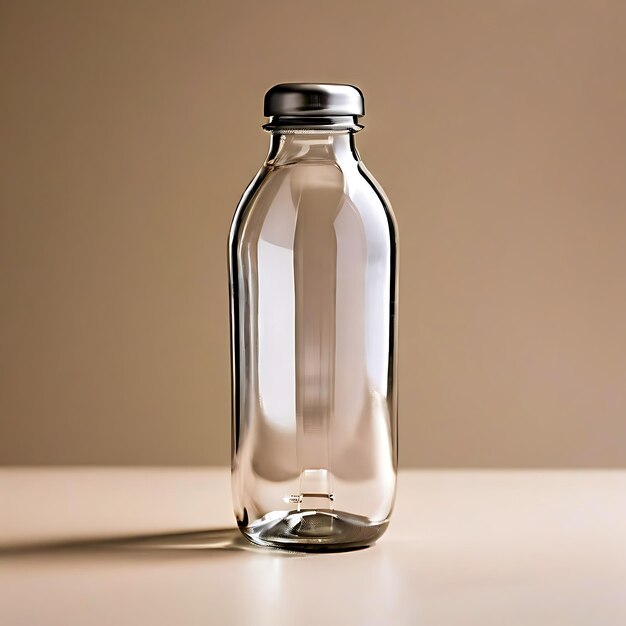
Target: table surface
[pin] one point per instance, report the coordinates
(158, 546)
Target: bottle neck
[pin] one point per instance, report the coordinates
(312, 146)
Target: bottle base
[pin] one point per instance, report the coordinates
(321, 530)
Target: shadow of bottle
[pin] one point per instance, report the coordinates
(213, 540)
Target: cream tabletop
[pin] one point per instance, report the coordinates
(158, 546)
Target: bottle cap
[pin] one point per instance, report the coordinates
(314, 106)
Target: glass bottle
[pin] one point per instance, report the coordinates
(313, 284)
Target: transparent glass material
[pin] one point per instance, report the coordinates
(313, 320)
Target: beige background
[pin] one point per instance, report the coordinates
(129, 130)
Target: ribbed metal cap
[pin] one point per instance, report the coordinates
(313, 105)
(315, 99)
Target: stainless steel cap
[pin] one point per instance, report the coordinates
(313, 105)
(314, 99)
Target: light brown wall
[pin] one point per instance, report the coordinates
(129, 130)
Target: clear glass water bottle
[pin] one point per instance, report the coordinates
(313, 283)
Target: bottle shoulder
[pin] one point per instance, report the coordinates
(313, 186)
(350, 210)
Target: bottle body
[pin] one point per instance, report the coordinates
(313, 279)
